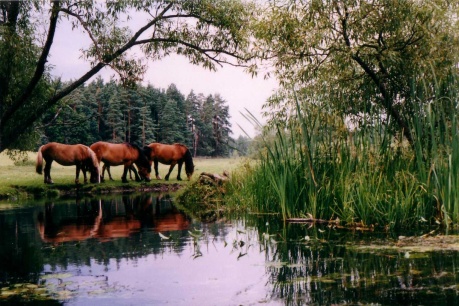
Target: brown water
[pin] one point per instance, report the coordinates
(141, 250)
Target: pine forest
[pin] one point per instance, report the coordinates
(141, 115)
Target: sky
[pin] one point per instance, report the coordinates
(235, 86)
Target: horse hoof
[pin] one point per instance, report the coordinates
(125, 181)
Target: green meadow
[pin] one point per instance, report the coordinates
(19, 179)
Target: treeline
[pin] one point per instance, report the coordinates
(110, 112)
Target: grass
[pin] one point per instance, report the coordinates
(19, 180)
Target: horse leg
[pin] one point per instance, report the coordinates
(170, 170)
(105, 166)
(103, 173)
(179, 170)
(47, 171)
(123, 178)
(136, 174)
(132, 169)
(109, 173)
(84, 168)
(156, 170)
(77, 175)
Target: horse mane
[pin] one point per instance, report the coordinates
(189, 166)
(147, 151)
(142, 157)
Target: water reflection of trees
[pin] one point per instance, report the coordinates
(311, 265)
(20, 255)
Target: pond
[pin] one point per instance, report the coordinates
(142, 250)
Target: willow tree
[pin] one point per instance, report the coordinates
(209, 33)
(363, 57)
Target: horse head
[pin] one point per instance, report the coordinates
(144, 173)
(189, 165)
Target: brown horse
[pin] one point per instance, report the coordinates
(170, 155)
(68, 155)
(127, 154)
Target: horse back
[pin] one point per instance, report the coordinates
(166, 154)
(65, 154)
(114, 153)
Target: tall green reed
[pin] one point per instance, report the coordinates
(316, 165)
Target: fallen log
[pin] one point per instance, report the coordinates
(214, 178)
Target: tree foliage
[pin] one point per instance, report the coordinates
(209, 33)
(363, 56)
(141, 115)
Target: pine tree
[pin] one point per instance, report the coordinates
(113, 115)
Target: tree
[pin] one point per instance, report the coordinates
(208, 33)
(241, 145)
(71, 120)
(221, 126)
(365, 57)
(206, 144)
(193, 110)
(184, 134)
(143, 126)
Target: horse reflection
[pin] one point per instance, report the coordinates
(105, 220)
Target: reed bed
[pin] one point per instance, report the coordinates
(317, 166)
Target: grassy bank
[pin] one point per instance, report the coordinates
(19, 180)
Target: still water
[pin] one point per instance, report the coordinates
(141, 250)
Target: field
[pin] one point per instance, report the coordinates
(20, 177)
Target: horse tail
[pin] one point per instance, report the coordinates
(39, 164)
(189, 166)
(95, 162)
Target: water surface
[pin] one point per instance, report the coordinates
(140, 249)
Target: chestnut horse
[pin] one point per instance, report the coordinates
(175, 154)
(127, 154)
(68, 155)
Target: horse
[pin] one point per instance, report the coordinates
(68, 155)
(170, 155)
(127, 154)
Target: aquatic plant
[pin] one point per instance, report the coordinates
(316, 163)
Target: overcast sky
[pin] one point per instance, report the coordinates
(238, 88)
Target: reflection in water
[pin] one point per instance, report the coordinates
(330, 267)
(106, 219)
(143, 250)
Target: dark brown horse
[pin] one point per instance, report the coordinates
(68, 155)
(127, 154)
(175, 154)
